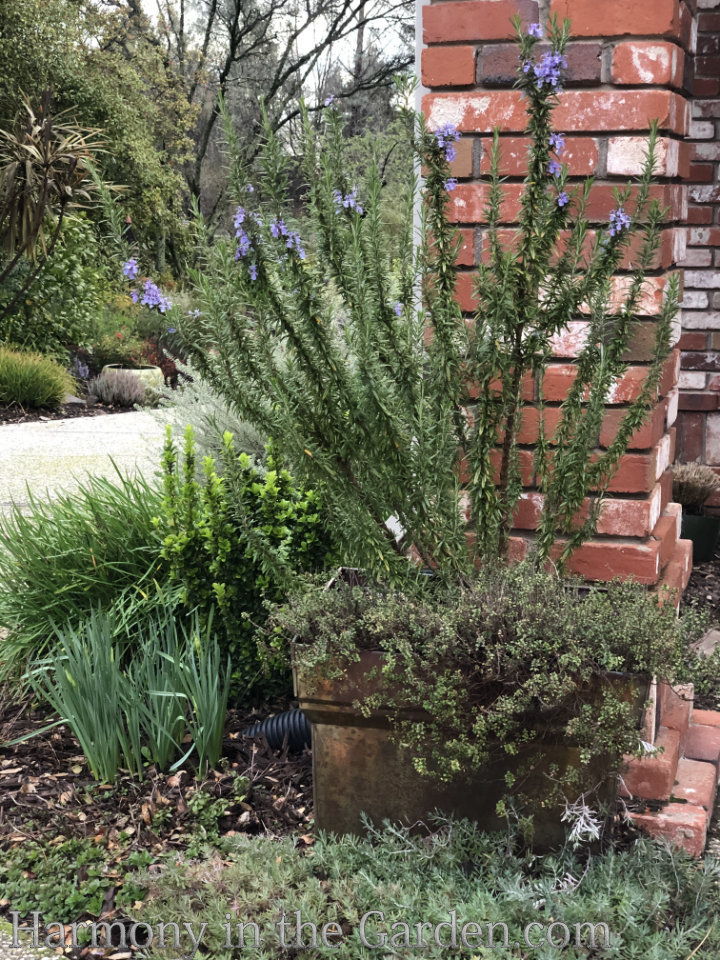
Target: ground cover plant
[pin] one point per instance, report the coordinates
(656, 903)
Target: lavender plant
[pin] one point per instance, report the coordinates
(353, 355)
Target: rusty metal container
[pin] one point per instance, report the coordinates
(359, 769)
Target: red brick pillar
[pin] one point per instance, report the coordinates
(699, 418)
(625, 68)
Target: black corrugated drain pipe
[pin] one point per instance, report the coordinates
(294, 723)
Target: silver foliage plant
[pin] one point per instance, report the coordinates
(352, 354)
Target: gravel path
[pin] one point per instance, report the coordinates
(47, 457)
(24, 949)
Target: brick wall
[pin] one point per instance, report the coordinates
(626, 66)
(699, 417)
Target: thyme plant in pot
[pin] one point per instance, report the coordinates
(693, 485)
(516, 688)
(351, 353)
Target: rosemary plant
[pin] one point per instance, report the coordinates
(352, 353)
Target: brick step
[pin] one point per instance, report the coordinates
(682, 824)
(653, 777)
(675, 709)
(685, 819)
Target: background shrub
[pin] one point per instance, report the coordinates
(62, 305)
(234, 543)
(32, 380)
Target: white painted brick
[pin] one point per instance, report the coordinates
(708, 4)
(673, 399)
(626, 156)
(662, 455)
(701, 320)
(694, 299)
(707, 193)
(712, 439)
(702, 130)
(707, 151)
(696, 257)
(691, 381)
(703, 279)
(699, 235)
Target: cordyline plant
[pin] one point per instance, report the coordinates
(356, 360)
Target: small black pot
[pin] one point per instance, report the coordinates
(704, 532)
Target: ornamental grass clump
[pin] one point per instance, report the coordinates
(693, 485)
(32, 381)
(352, 355)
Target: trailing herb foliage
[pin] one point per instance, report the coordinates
(516, 657)
(235, 542)
(350, 351)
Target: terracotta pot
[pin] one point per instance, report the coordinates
(359, 769)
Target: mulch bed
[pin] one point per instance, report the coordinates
(15, 414)
(45, 786)
(704, 588)
(47, 792)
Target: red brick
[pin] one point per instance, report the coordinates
(666, 532)
(682, 824)
(708, 22)
(692, 341)
(704, 87)
(676, 702)
(696, 783)
(635, 474)
(582, 111)
(677, 573)
(618, 517)
(560, 376)
(647, 437)
(708, 45)
(639, 62)
(617, 18)
(474, 19)
(444, 67)
(691, 429)
(709, 718)
(475, 112)
(462, 165)
(702, 172)
(702, 400)
(580, 156)
(499, 64)
(468, 203)
(699, 215)
(653, 777)
(589, 110)
(466, 257)
(607, 559)
(703, 743)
